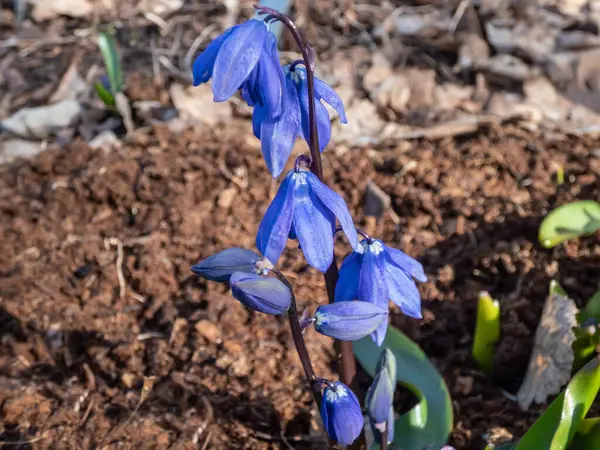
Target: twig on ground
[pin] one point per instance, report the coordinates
(119, 264)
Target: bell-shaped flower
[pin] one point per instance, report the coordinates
(263, 294)
(380, 395)
(278, 136)
(220, 266)
(309, 208)
(378, 273)
(349, 321)
(341, 414)
(244, 56)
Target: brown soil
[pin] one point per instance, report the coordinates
(76, 344)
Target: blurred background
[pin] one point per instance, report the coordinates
(116, 175)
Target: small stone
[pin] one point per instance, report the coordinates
(209, 331)
(129, 380)
(226, 197)
(464, 385)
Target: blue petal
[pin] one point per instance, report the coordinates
(341, 413)
(258, 116)
(349, 321)
(336, 204)
(275, 225)
(263, 294)
(220, 266)
(346, 288)
(372, 285)
(378, 335)
(380, 395)
(237, 58)
(278, 137)
(410, 265)
(403, 291)
(323, 120)
(324, 92)
(204, 64)
(314, 225)
(270, 80)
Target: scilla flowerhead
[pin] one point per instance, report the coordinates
(220, 266)
(263, 294)
(376, 274)
(306, 209)
(341, 414)
(244, 56)
(278, 136)
(380, 395)
(349, 321)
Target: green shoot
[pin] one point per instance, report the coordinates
(487, 331)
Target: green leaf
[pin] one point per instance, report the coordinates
(569, 221)
(108, 47)
(104, 95)
(556, 427)
(587, 436)
(429, 423)
(487, 331)
(591, 310)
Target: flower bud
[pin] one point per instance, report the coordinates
(264, 294)
(219, 267)
(341, 413)
(380, 395)
(349, 321)
(381, 427)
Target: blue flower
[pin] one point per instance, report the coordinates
(349, 321)
(264, 294)
(380, 395)
(278, 136)
(220, 266)
(341, 413)
(304, 207)
(380, 428)
(244, 56)
(376, 274)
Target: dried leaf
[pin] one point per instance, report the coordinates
(552, 356)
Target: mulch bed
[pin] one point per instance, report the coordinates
(77, 341)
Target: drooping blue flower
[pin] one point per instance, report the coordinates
(264, 294)
(341, 413)
(278, 136)
(309, 208)
(380, 395)
(349, 321)
(378, 273)
(220, 266)
(244, 56)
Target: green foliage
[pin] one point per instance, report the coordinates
(588, 435)
(487, 331)
(104, 94)
(429, 423)
(108, 47)
(555, 429)
(569, 221)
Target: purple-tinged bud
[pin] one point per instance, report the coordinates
(220, 266)
(380, 395)
(264, 294)
(341, 413)
(349, 321)
(380, 428)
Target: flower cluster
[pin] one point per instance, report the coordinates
(288, 103)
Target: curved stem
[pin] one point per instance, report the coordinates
(345, 355)
(315, 385)
(384, 439)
